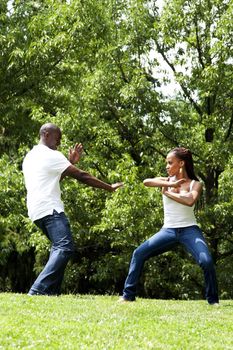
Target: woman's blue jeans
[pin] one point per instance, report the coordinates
(57, 229)
(193, 241)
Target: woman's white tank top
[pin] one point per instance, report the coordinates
(176, 214)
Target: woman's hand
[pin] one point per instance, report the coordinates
(184, 197)
(177, 183)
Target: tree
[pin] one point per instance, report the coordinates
(92, 67)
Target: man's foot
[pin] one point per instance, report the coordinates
(31, 293)
(123, 300)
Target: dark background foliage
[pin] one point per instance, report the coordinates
(101, 70)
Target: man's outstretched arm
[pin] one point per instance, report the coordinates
(89, 179)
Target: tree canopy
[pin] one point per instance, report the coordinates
(99, 70)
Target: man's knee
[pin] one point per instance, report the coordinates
(64, 253)
(65, 244)
(142, 252)
(206, 261)
(69, 248)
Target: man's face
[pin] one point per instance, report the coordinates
(53, 139)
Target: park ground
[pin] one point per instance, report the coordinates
(100, 322)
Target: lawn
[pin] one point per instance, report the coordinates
(99, 322)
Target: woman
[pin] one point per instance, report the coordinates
(180, 192)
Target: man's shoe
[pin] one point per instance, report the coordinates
(123, 300)
(31, 293)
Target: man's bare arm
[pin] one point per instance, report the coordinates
(89, 179)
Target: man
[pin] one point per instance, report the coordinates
(43, 168)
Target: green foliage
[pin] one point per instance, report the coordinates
(16, 260)
(12, 195)
(93, 67)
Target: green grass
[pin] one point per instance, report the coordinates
(99, 322)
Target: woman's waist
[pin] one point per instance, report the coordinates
(179, 219)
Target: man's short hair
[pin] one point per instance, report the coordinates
(48, 127)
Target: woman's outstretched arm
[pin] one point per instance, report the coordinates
(162, 182)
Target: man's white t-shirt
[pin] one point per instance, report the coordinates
(42, 169)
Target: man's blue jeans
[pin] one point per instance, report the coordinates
(57, 229)
(193, 241)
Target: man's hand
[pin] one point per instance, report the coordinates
(75, 153)
(116, 186)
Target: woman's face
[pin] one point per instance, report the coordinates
(174, 164)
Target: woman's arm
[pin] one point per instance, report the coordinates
(188, 198)
(162, 182)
